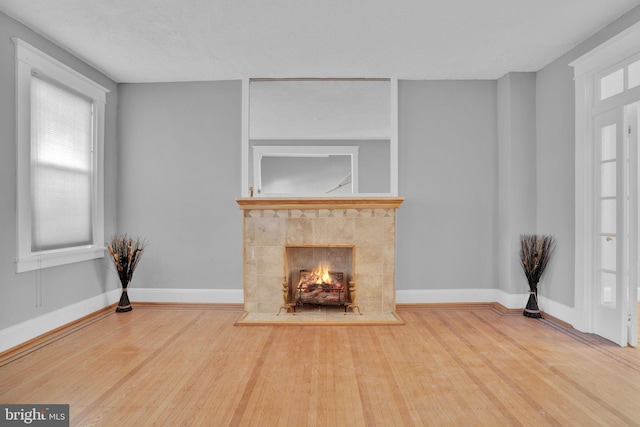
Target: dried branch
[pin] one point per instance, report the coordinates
(535, 253)
(126, 253)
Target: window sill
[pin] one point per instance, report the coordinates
(57, 257)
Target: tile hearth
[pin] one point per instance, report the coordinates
(320, 316)
(271, 225)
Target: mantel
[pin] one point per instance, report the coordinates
(256, 203)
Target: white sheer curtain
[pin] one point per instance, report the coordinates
(61, 167)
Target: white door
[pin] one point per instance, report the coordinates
(616, 223)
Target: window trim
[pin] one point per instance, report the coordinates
(30, 60)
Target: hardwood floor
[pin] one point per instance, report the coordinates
(191, 366)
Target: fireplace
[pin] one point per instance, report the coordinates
(330, 283)
(356, 236)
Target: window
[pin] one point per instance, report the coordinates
(624, 77)
(60, 116)
(612, 84)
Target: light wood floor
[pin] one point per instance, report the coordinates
(174, 366)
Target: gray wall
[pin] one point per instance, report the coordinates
(27, 295)
(179, 176)
(516, 175)
(447, 225)
(555, 129)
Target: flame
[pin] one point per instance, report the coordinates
(321, 274)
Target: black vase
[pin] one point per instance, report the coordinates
(532, 309)
(124, 305)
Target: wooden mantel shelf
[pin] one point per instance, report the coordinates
(248, 203)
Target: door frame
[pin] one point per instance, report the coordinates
(586, 70)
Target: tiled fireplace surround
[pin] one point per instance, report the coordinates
(272, 225)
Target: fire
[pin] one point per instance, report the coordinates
(320, 286)
(321, 274)
(319, 278)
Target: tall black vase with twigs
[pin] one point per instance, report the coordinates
(535, 253)
(125, 253)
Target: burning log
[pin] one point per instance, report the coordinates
(321, 287)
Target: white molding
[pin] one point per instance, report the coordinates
(32, 328)
(22, 332)
(41, 62)
(206, 296)
(425, 296)
(244, 144)
(25, 331)
(615, 50)
(570, 315)
(58, 257)
(30, 60)
(393, 155)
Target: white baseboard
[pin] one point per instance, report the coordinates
(25, 331)
(512, 301)
(570, 315)
(210, 296)
(425, 296)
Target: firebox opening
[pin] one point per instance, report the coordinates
(321, 286)
(319, 276)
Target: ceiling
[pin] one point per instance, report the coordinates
(193, 40)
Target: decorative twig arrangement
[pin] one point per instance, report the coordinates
(535, 253)
(125, 253)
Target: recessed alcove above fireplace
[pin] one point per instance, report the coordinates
(274, 227)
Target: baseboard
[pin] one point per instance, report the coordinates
(429, 296)
(22, 332)
(18, 334)
(556, 310)
(222, 296)
(563, 313)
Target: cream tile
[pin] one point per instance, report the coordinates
(369, 287)
(371, 231)
(270, 260)
(270, 231)
(298, 231)
(352, 213)
(369, 260)
(249, 231)
(340, 231)
(319, 237)
(340, 258)
(302, 258)
(269, 288)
